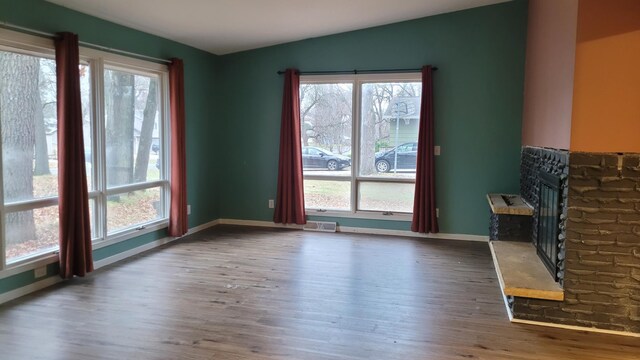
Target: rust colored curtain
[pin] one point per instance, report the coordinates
(75, 233)
(424, 202)
(178, 210)
(290, 196)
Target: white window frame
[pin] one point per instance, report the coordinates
(44, 47)
(100, 61)
(357, 80)
(19, 43)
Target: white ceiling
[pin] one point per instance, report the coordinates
(226, 26)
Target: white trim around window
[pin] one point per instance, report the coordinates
(355, 179)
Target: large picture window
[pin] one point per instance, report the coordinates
(132, 147)
(125, 124)
(359, 142)
(29, 159)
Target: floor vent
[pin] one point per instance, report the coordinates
(320, 226)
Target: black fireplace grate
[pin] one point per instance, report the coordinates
(548, 218)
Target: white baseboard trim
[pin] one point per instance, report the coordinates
(361, 230)
(576, 328)
(25, 290)
(204, 226)
(258, 223)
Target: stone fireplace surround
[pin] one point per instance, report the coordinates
(554, 162)
(600, 226)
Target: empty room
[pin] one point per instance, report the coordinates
(280, 179)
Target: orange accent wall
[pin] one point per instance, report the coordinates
(606, 97)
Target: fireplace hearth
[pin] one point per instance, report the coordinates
(587, 218)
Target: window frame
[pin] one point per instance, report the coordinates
(357, 80)
(22, 44)
(27, 44)
(100, 61)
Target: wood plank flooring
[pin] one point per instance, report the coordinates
(251, 293)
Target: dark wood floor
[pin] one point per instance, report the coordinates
(247, 293)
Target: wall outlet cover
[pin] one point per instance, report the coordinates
(40, 272)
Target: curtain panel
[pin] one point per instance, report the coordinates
(424, 203)
(75, 233)
(290, 195)
(178, 224)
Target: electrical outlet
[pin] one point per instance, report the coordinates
(436, 150)
(437, 212)
(271, 204)
(188, 209)
(40, 272)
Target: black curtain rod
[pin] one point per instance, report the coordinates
(339, 72)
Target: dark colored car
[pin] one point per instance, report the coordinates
(313, 157)
(406, 158)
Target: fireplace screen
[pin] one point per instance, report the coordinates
(548, 216)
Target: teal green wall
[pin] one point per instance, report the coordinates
(233, 107)
(200, 79)
(478, 106)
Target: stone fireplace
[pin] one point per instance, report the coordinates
(535, 163)
(598, 249)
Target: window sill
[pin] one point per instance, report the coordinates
(369, 215)
(131, 233)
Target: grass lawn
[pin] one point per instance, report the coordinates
(122, 211)
(336, 195)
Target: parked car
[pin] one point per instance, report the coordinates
(313, 157)
(406, 158)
